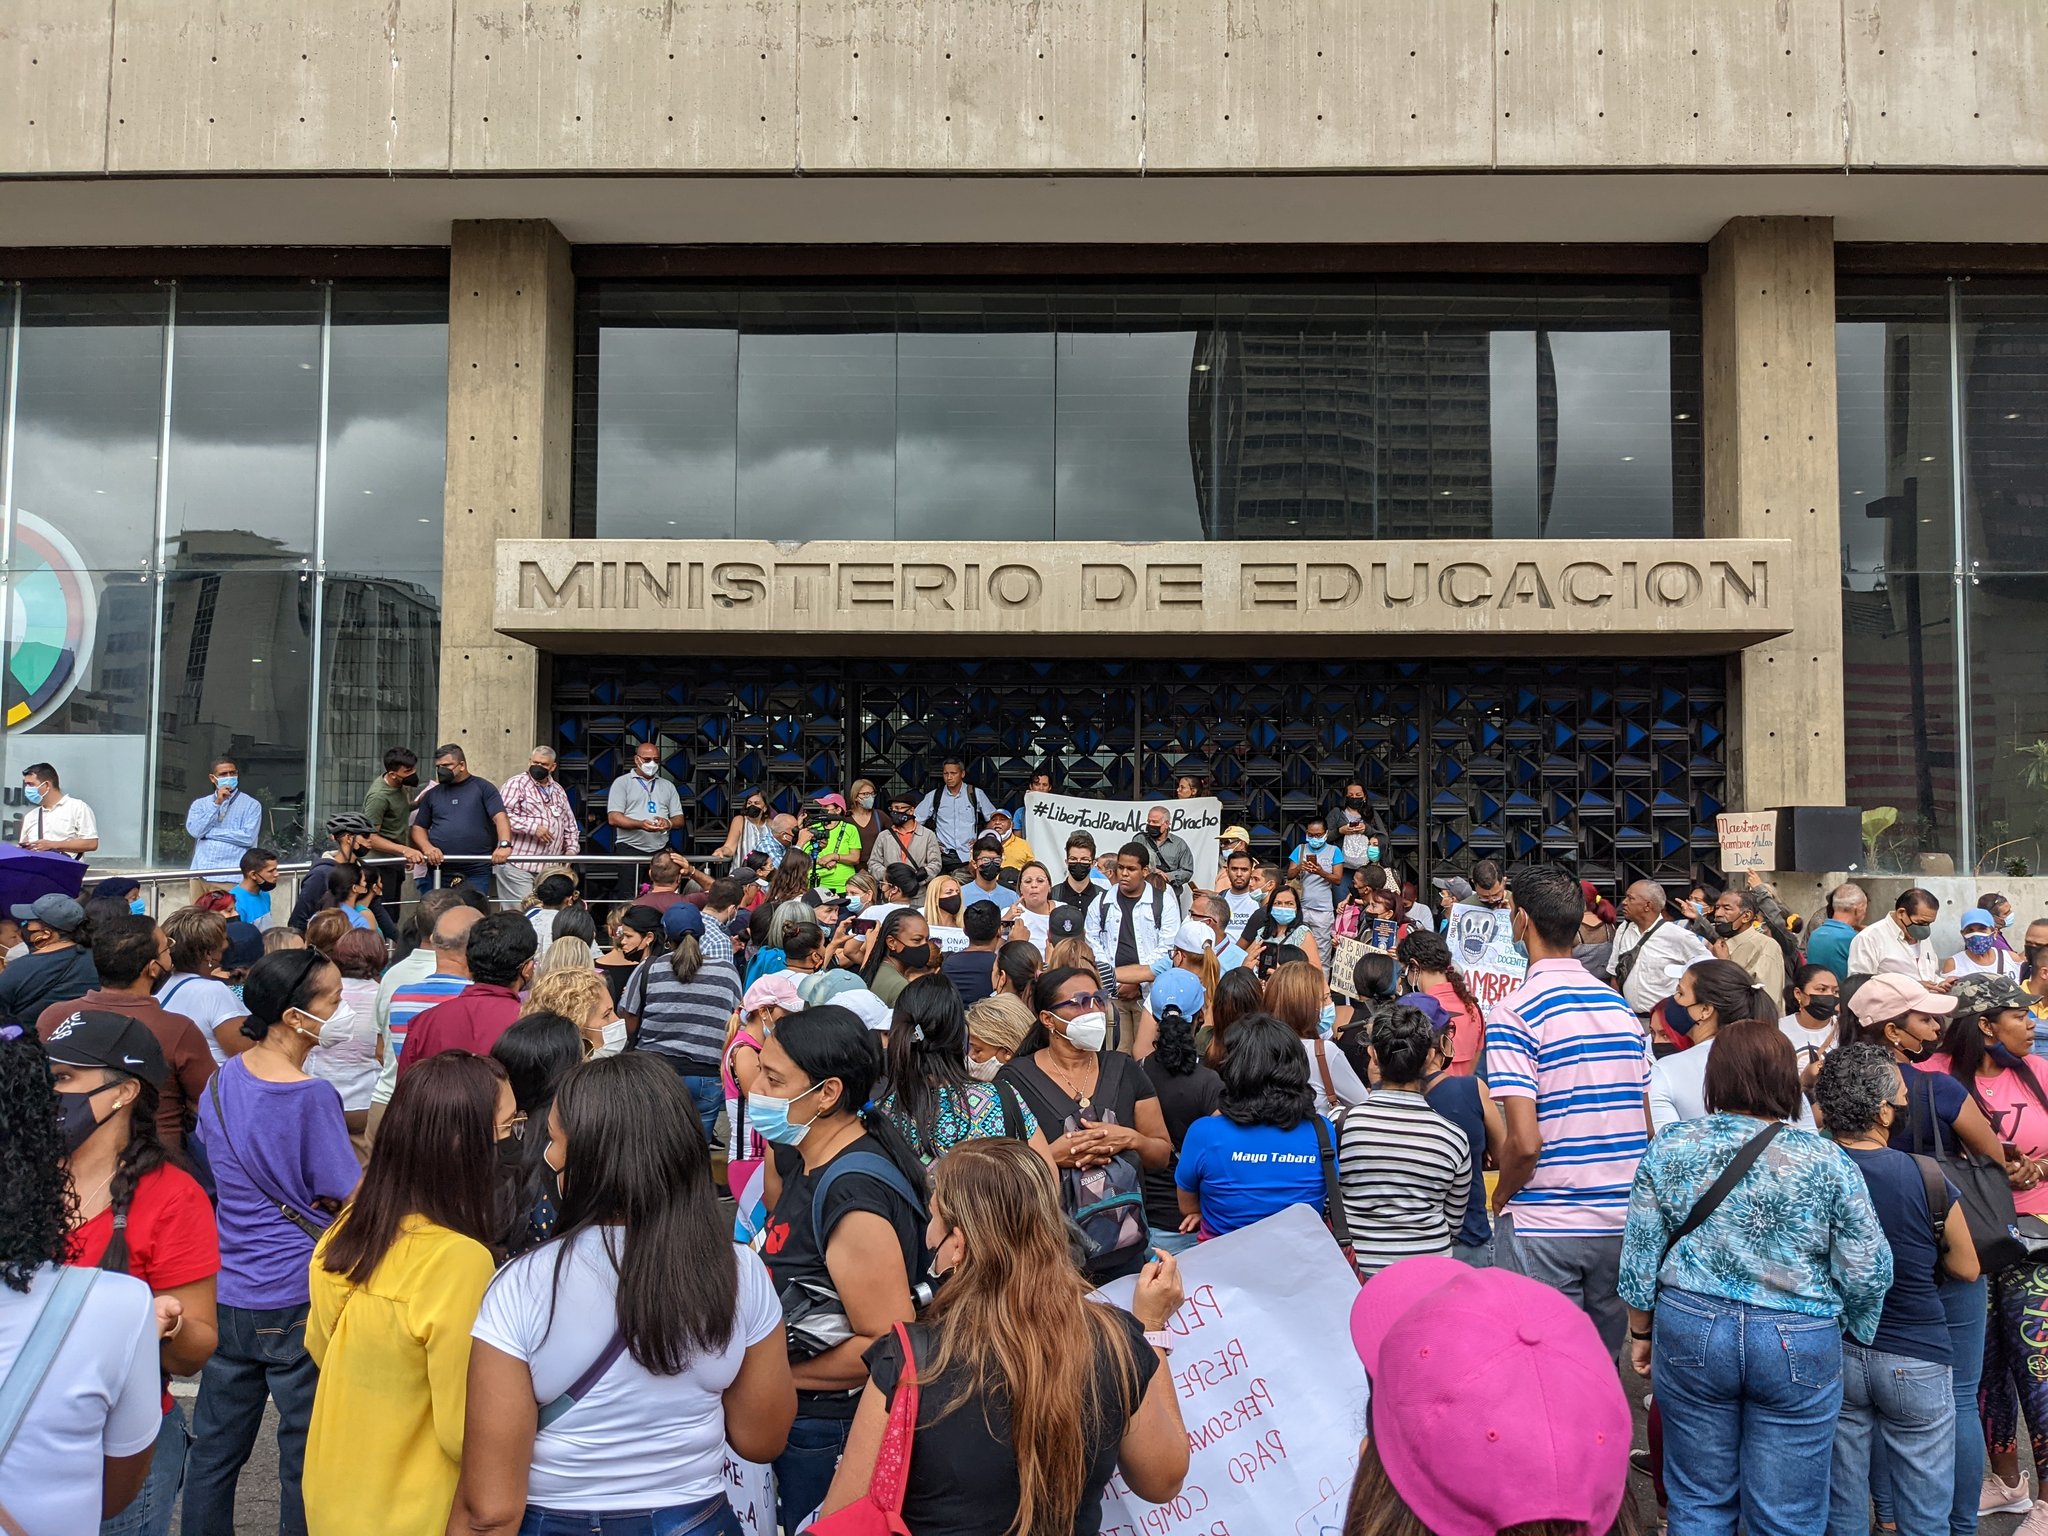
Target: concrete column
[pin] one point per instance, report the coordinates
(1769, 378)
(511, 366)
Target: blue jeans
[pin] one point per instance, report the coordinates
(1967, 1307)
(1749, 1396)
(1908, 1406)
(1167, 1240)
(713, 1517)
(150, 1512)
(1586, 1269)
(707, 1093)
(1475, 1255)
(803, 1472)
(260, 1355)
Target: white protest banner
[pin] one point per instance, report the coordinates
(1272, 1396)
(1048, 819)
(1749, 840)
(750, 1489)
(949, 940)
(1482, 941)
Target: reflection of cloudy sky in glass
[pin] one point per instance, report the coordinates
(793, 433)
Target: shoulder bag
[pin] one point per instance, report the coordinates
(31, 1367)
(1987, 1193)
(1935, 1185)
(879, 1511)
(312, 1229)
(1723, 1187)
(1333, 1197)
(1322, 1056)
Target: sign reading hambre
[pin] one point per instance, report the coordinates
(1731, 588)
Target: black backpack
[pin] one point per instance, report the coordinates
(1107, 1204)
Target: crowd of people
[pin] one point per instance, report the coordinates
(519, 1195)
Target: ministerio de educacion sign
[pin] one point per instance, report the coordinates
(1576, 595)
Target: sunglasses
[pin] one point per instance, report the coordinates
(1081, 1000)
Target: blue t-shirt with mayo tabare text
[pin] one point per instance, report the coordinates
(1244, 1173)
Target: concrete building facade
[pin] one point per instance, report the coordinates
(1468, 390)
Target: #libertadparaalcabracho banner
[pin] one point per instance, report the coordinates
(1050, 819)
(1271, 1393)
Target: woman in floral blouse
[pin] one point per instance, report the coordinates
(1739, 1324)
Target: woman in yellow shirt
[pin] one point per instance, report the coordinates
(395, 1286)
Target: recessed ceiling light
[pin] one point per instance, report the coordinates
(1926, 458)
(1628, 458)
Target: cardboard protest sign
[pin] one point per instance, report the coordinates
(1482, 941)
(1749, 840)
(1048, 819)
(750, 1489)
(1270, 1392)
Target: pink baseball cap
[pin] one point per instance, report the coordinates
(1885, 998)
(1493, 1402)
(773, 991)
(832, 800)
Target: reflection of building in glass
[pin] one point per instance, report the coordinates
(380, 651)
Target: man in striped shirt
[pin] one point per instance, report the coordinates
(1567, 1062)
(447, 973)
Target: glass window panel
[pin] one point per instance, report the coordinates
(1899, 686)
(1609, 461)
(1892, 410)
(974, 424)
(80, 643)
(380, 648)
(2004, 350)
(2009, 717)
(817, 416)
(245, 414)
(387, 430)
(659, 402)
(237, 672)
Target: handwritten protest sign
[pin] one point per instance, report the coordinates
(1749, 840)
(750, 1489)
(1270, 1392)
(1482, 941)
(1049, 819)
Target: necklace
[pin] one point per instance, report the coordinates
(86, 1210)
(1071, 1087)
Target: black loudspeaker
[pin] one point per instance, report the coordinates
(1815, 838)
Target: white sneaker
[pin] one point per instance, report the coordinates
(1998, 1497)
(2036, 1523)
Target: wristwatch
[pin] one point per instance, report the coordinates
(1160, 1340)
(503, 844)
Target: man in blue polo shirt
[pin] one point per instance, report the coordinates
(460, 826)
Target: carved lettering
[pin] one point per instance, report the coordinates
(1755, 592)
(1015, 586)
(661, 591)
(1524, 587)
(1469, 596)
(867, 586)
(1673, 583)
(536, 591)
(738, 584)
(1587, 584)
(805, 585)
(928, 586)
(1107, 586)
(1269, 585)
(1173, 586)
(1333, 586)
(1383, 593)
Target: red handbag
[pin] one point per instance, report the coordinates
(879, 1511)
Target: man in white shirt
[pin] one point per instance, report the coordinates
(643, 806)
(956, 812)
(1240, 892)
(1650, 950)
(1128, 927)
(53, 821)
(1899, 942)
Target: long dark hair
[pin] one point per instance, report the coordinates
(276, 984)
(883, 935)
(1732, 993)
(537, 1052)
(1966, 1048)
(1175, 1047)
(639, 1172)
(1238, 994)
(1423, 950)
(791, 879)
(1044, 992)
(927, 1054)
(1019, 962)
(435, 1157)
(1265, 1075)
(36, 1199)
(141, 1155)
(830, 1041)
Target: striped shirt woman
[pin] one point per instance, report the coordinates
(1405, 1171)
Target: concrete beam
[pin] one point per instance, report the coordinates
(511, 358)
(1768, 337)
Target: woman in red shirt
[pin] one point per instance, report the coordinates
(138, 1213)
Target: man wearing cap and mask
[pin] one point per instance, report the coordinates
(1171, 856)
(55, 969)
(1899, 942)
(904, 841)
(132, 957)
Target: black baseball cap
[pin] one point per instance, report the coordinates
(1063, 922)
(641, 918)
(99, 1037)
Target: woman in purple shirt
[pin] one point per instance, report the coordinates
(283, 1165)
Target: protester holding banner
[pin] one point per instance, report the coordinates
(1030, 1395)
(1426, 967)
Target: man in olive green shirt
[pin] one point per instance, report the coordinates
(388, 805)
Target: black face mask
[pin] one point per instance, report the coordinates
(1155, 833)
(1821, 1007)
(918, 957)
(756, 812)
(949, 903)
(1726, 929)
(1078, 870)
(444, 775)
(988, 869)
(539, 772)
(1355, 803)
(902, 818)
(266, 885)
(76, 1118)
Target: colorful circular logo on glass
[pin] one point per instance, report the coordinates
(50, 614)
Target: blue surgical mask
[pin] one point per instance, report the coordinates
(32, 794)
(1372, 853)
(770, 1117)
(1978, 944)
(1316, 843)
(1282, 916)
(1326, 1021)
(139, 907)
(227, 781)
(855, 901)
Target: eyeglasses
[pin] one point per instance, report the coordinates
(1081, 1000)
(511, 1127)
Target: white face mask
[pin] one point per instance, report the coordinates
(16, 951)
(645, 769)
(614, 1040)
(333, 1029)
(1089, 1032)
(984, 1071)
